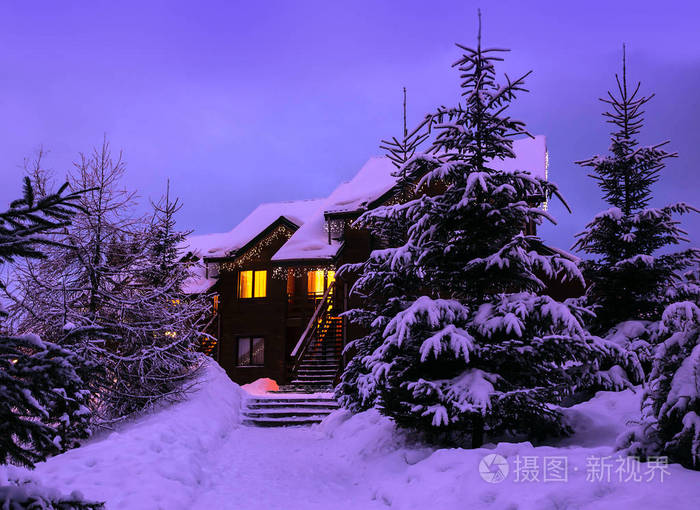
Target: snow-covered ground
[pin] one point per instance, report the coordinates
(196, 455)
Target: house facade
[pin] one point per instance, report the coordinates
(273, 277)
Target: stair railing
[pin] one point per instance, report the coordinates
(311, 329)
(209, 343)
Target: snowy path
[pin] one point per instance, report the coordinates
(289, 468)
(196, 455)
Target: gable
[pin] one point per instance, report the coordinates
(278, 232)
(226, 243)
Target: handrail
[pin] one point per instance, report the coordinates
(206, 336)
(305, 339)
(213, 318)
(305, 335)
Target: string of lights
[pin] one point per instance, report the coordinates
(255, 252)
(283, 272)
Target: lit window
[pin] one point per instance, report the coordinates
(245, 284)
(315, 282)
(318, 281)
(252, 284)
(251, 351)
(290, 282)
(260, 279)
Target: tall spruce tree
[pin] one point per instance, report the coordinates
(43, 396)
(478, 350)
(384, 284)
(628, 279)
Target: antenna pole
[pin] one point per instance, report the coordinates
(479, 36)
(405, 131)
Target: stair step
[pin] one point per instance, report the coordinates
(304, 388)
(296, 405)
(315, 384)
(287, 413)
(280, 399)
(282, 422)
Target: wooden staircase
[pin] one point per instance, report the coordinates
(208, 346)
(316, 359)
(316, 364)
(320, 363)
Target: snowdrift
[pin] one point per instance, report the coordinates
(195, 455)
(404, 476)
(156, 462)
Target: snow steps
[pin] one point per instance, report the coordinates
(317, 372)
(288, 410)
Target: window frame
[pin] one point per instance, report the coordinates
(250, 339)
(253, 273)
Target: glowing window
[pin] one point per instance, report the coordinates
(315, 282)
(260, 287)
(318, 281)
(245, 284)
(252, 284)
(290, 282)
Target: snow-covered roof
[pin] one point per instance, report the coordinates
(197, 282)
(310, 241)
(372, 181)
(223, 244)
(375, 179)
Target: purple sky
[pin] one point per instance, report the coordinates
(246, 102)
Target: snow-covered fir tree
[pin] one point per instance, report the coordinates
(115, 293)
(43, 396)
(670, 423)
(28, 495)
(478, 350)
(632, 275)
(384, 283)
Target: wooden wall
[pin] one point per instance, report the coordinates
(264, 317)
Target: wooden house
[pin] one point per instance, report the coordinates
(273, 277)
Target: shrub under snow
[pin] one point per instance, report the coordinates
(29, 495)
(670, 422)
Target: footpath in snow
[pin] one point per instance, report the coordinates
(196, 455)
